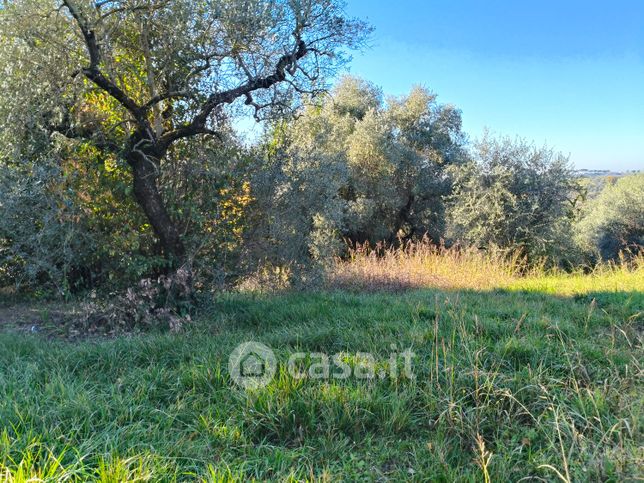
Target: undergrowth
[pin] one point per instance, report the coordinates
(535, 377)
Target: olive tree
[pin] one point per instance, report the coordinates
(613, 221)
(359, 167)
(134, 79)
(514, 195)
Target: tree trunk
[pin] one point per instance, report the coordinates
(145, 170)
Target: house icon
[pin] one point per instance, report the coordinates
(252, 365)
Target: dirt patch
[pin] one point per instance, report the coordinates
(37, 317)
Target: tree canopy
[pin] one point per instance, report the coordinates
(132, 78)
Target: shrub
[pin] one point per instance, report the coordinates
(42, 237)
(613, 222)
(69, 222)
(66, 223)
(358, 168)
(514, 196)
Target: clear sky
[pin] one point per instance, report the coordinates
(569, 73)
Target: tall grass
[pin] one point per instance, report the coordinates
(627, 275)
(508, 385)
(536, 380)
(422, 265)
(416, 265)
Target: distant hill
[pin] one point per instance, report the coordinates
(592, 173)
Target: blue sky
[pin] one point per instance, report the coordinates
(568, 73)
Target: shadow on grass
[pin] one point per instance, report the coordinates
(509, 367)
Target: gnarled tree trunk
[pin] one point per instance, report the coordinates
(145, 170)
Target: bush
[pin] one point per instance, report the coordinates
(357, 168)
(41, 238)
(69, 222)
(513, 195)
(613, 222)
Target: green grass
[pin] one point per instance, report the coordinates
(539, 379)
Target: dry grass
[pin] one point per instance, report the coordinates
(423, 265)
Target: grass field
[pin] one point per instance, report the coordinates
(536, 378)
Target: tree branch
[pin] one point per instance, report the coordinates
(93, 72)
(285, 64)
(164, 96)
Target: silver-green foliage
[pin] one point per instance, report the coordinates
(614, 220)
(513, 195)
(358, 167)
(42, 237)
(132, 85)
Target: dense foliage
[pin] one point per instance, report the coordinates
(357, 168)
(352, 167)
(614, 221)
(119, 159)
(142, 87)
(514, 196)
(69, 221)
